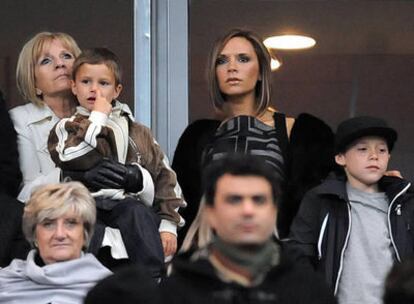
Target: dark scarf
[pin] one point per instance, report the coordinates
(251, 261)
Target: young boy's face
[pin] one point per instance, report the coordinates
(91, 79)
(365, 162)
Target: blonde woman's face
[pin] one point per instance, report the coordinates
(53, 69)
(237, 68)
(60, 239)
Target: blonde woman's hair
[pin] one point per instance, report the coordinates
(29, 55)
(53, 201)
(200, 233)
(263, 86)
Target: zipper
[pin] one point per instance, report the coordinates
(135, 148)
(398, 209)
(398, 212)
(341, 262)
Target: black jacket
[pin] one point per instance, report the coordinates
(320, 231)
(195, 281)
(12, 242)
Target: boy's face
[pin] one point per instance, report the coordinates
(365, 162)
(91, 79)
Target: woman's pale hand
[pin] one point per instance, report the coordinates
(169, 243)
(394, 173)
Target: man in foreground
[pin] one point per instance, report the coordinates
(243, 263)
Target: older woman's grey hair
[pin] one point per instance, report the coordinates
(53, 201)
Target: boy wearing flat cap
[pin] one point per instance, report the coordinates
(354, 226)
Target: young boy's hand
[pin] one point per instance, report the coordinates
(169, 243)
(102, 104)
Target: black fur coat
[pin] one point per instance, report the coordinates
(309, 160)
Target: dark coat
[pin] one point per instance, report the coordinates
(187, 165)
(197, 282)
(320, 230)
(10, 175)
(310, 158)
(12, 241)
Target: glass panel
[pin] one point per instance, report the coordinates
(142, 61)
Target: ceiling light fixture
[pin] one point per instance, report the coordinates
(289, 42)
(275, 64)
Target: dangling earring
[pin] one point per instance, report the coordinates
(35, 244)
(38, 92)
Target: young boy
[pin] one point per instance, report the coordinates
(352, 228)
(119, 157)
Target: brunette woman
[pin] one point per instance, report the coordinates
(239, 77)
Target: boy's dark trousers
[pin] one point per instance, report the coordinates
(138, 225)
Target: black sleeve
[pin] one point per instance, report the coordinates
(310, 159)
(303, 238)
(187, 165)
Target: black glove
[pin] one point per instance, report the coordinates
(110, 174)
(68, 175)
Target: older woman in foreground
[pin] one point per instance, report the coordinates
(58, 221)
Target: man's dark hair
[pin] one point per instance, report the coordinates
(122, 287)
(238, 164)
(399, 284)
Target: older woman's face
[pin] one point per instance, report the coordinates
(60, 239)
(53, 69)
(237, 68)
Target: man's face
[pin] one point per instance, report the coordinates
(243, 212)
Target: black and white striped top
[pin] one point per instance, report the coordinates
(247, 134)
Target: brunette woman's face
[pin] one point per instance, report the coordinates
(237, 68)
(53, 69)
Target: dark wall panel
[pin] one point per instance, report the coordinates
(92, 23)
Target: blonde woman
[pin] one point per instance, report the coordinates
(43, 79)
